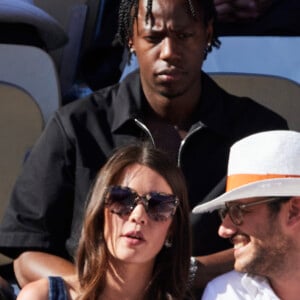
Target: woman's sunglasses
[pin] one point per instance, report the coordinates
(122, 200)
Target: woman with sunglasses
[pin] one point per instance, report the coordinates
(135, 239)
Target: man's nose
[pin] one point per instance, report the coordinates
(227, 228)
(169, 49)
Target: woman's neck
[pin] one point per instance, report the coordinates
(127, 281)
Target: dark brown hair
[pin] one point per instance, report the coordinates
(171, 268)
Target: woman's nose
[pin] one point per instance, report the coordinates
(139, 214)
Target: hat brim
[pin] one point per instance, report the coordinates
(51, 32)
(282, 187)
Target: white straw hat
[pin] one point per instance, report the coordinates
(261, 165)
(24, 11)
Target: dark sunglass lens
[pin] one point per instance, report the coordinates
(222, 213)
(121, 200)
(161, 206)
(236, 214)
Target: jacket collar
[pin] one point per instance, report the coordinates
(130, 103)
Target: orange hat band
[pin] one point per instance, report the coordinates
(236, 180)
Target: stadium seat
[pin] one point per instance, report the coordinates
(33, 70)
(21, 123)
(279, 94)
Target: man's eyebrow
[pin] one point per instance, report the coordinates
(233, 203)
(150, 30)
(159, 31)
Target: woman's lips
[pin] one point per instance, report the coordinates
(134, 237)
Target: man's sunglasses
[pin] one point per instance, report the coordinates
(236, 210)
(122, 200)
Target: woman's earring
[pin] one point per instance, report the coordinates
(168, 242)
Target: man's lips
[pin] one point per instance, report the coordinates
(239, 240)
(171, 74)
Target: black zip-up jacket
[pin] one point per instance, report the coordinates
(47, 203)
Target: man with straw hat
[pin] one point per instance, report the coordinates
(260, 213)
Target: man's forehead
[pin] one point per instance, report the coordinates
(175, 12)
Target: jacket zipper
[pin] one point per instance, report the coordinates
(145, 129)
(196, 127)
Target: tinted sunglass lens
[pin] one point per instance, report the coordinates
(222, 213)
(161, 207)
(236, 214)
(121, 200)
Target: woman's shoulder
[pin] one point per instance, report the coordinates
(36, 290)
(51, 288)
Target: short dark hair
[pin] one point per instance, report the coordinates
(128, 12)
(276, 205)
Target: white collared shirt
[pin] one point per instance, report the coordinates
(237, 286)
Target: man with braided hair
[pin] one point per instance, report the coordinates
(168, 101)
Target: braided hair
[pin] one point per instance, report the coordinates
(128, 13)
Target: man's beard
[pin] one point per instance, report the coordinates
(171, 94)
(272, 258)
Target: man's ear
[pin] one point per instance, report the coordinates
(130, 43)
(131, 46)
(293, 211)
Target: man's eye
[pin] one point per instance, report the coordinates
(182, 36)
(153, 39)
(245, 210)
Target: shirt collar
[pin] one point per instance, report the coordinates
(258, 287)
(212, 112)
(130, 100)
